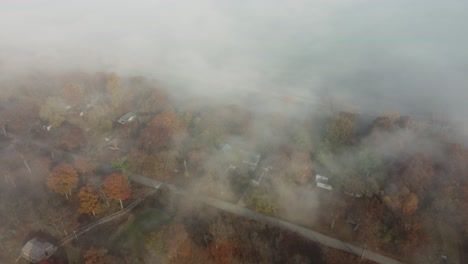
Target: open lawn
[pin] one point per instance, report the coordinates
(132, 236)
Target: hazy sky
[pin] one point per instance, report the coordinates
(385, 55)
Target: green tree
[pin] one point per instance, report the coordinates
(368, 162)
(53, 111)
(341, 130)
(302, 139)
(155, 243)
(261, 202)
(121, 165)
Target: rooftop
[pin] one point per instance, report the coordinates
(36, 250)
(126, 118)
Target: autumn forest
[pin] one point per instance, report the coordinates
(77, 148)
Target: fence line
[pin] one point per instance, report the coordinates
(106, 219)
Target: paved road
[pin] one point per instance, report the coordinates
(234, 209)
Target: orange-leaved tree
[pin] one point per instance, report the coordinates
(85, 165)
(73, 94)
(95, 256)
(160, 131)
(50, 261)
(63, 179)
(89, 200)
(116, 187)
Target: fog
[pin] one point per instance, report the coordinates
(366, 56)
(372, 55)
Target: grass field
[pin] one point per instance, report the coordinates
(130, 238)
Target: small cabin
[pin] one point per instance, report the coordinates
(37, 249)
(127, 118)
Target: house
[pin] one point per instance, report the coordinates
(130, 116)
(236, 155)
(319, 178)
(85, 108)
(251, 159)
(257, 177)
(324, 186)
(47, 127)
(113, 141)
(37, 249)
(322, 182)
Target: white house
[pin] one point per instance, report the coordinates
(319, 178)
(322, 182)
(324, 186)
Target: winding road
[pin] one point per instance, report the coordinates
(241, 211)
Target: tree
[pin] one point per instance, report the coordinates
(341, 130)
(371, 216)
(98, 117)
(404, 122)
(72, 94)
(354, 185)
(116, 187)
(95, 256)
(368, 162)
(63, 179)
(71, 138)
(89, 200)
(51, 260)
(114, 89)
(19, 117)
(302, 139)
(136, 159)
(410, 203)
(160, 131)
(404, 201)
(336, 256)
(53, 111)
(223, 251)
(382, 123)
(261, 202)
(85, 166)
(418, 174)
(153, 100)
(155, 243)
(121, 165)
(298, 167)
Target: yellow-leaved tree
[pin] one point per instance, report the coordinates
(89, 201)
